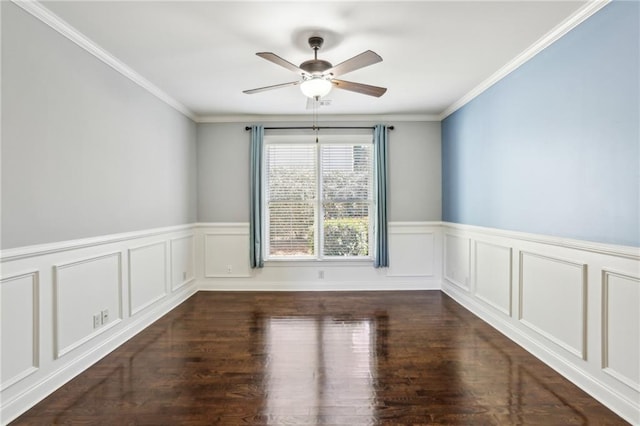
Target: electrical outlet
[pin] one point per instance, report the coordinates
(229, 269)
(96, 320)
(321, 275)
(184, 276)
(105, 316)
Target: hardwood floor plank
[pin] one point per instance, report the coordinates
(316, 358)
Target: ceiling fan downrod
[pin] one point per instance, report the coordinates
(315, 66)
(315, 43)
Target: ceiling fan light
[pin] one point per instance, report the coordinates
(316, 87)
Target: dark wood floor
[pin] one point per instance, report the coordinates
(319, 358)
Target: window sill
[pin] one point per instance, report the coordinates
(300, 263)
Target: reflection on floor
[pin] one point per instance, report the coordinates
(310, 361)
(319, 358)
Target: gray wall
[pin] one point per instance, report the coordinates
(223, 172)
(85, 151)
(414, 171)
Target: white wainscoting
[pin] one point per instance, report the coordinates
(492, 275)
(19, 350)
(457, 260)
(97, 282)
(147, 275)
(415, 263)
(414, 250)
(183, 261)
(620, 319)
(50, 294)
(553, 300)
(573, 304)
(226, 250)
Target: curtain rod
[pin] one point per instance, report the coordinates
(316, 128)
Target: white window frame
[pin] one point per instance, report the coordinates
(304, 139)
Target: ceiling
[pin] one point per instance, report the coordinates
(201, 54)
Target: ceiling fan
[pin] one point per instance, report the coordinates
(318, 76)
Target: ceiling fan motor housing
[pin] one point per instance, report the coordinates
(315, 66)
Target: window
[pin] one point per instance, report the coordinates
(318, 198)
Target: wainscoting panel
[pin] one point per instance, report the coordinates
(20, 351)
(51, 293)
(412, 250)
(493, 269)
(457, 260)
(83, 289)
(553, 300)
(415, 258)
(574, 304)
(621, 327)
(182, 261)
(147, 275)
(226, 251)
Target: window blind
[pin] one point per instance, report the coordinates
(347, 179)
(291, 199)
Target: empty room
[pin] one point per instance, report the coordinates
(306, 212)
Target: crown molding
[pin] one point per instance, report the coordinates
(551, 37)
(322, 118)
(39, 11)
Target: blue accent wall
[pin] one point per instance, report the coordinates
(554, 147)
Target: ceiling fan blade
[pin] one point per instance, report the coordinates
(272, 57)
(365, 89)
(275, 86)
(359, 61)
